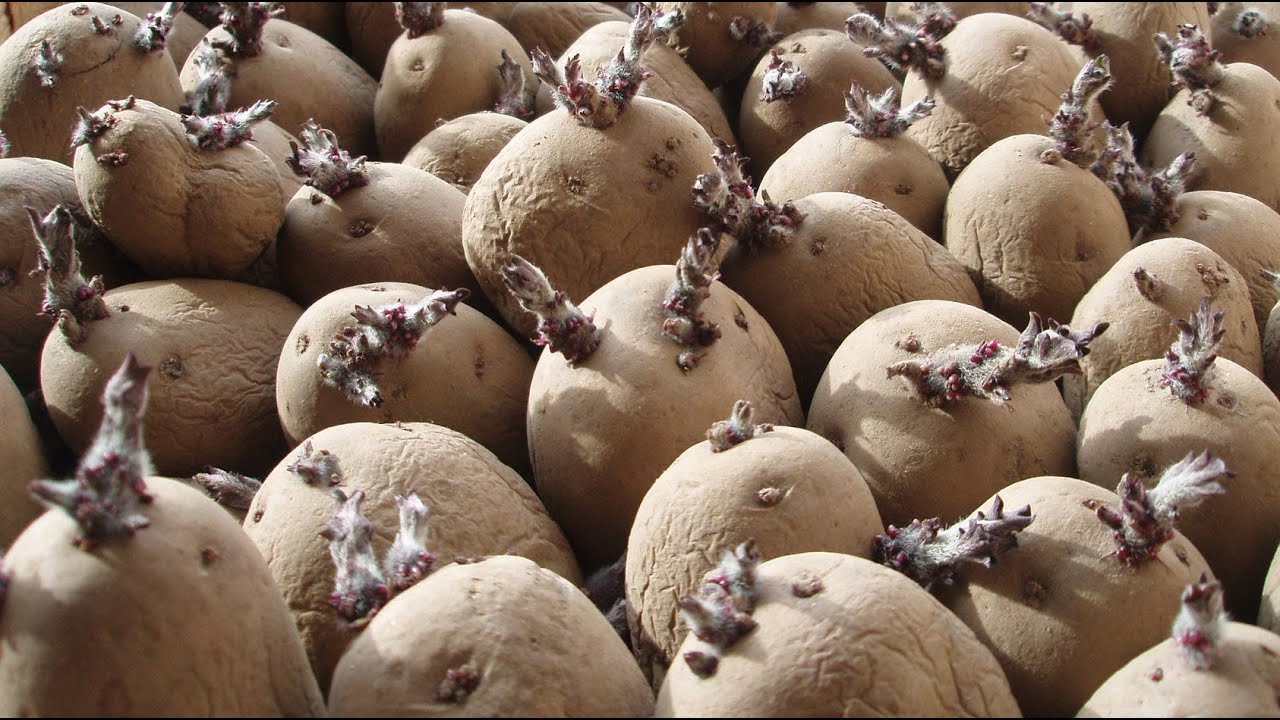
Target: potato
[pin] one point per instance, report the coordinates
(794, 17)
(459, 150)
(466, 373)
(372, 28)
(554, 26)
(478, 506)
(22, 457)
(721, 40)
(1235, 33)
(489, 638)
(215, 345)
(962, 9)
(86, 69)
(788, 488)
(838, 635)
(1152, 285)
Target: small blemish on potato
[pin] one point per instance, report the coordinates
(1019, 53)
(806, 586)
(79, 10)
(1181, 553)
(817, 246)
(360, 228)
(663, 165)
(1091, 504)
(1267, 651)
(257, 516)
(172, 367)
(1203, 215)
(209, 556)
(740, 319)
(458, 683)
(770, 496)
(124, 308)
(651, 185)
(910, 344)
(1157, 675)
(282, 41)
(902, 189)
(673, 143)
(7, 276)
(1034, 593)
(481, 363)
(798, 48)
(316, 198)
(417, 65)
(113, 159)
(302, 344)
(575, 184)
(1142, 465)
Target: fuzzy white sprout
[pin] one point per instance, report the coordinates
(726, 196)
(904, 45)
(783, 79)
(1188, 368)
(685, 324)
(212, 88)
(326, 166)
(419, 18)
(881, 116)
(48, 63)
(225, 130)
(562, 327)
(244, 23)
(407, 560)
(1073, 29)
(518, 97)
(1251, 23)
(740, 427)
(73, 301)
(720, 613)
(316, 467)
(229, 489)
(153, 35)
(752, 31)
(1194, 64)
(1201, 624)
(1071, 128)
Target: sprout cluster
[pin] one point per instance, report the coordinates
(225, 130)
(902, 45)
(562, 327)
(753, 32)
(881, 116)
(1193, 63)
(420, 18)
(517, 98)
(316, 467)
(69, 298)
(1188, 364)
(154, 33)
(352, 358)
(91, 126)
(685, 324)
(326, 166)
(740, 427)
(720, 614)
(931, 555)
(244, 22)
(989, 370)
(362, 585)
(1251, 23)
(1071, 128)
(229, 489)
(1144, 521)
(1201, 623)
(48, 64)
(783, 79)
(1149, 200)
(1073, 29)
(109, 488)
(726, 196)
(212, 89)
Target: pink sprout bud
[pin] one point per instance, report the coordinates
(991, 369)
(720, 614)
(1144, 521)
(212, 89)
(229, 489)
(562, 327)
(1075, 30)
(518, 98)
(316, 467)
(753, 32)
(880, 116)
(1194, 64)
(458, 684)
(353, 357)
(109, 488)
(1201, 624)
(739, 428)
(1070, 128)
(408, 561)
(91, 126)
(48, 63)
(1149, 286)
(74, 301)
(931, 555)
(695, 273)
(1251, 23)
(1149, 200)
(154, 32)
(359, 587)
(225, 130)
(327, 167)
(420, 18)
(783, 79)
(727, 197)
(906, 45)
(1188, 364)
(244, 22)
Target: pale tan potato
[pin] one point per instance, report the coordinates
(704, 40)
(1184, 272)
(194, 625)
(537, 645)
(1261, 50)
(869, 643)
(478, 507)
(215, 345)
(553, 26)
(372, 28)
(22, 458)
(466, 373)
(1134, 424)
(789, 489)
(458, 151)
(1060, 611)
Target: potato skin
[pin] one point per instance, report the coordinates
(870, 643)
(1160, 683)
(22, 458)
(372, 28)
(706, 503)
(795, 17)
(478, 507)
(704, 40)
(924, 462)
(459, 150)
(581, 203)
(1262, 50)
(1140, 326)
(214, 344)
(96, 68)
(554, 26)
(193, 624)
(1132, 424)
(600, 433)
(1060, 612)
(542, 648)
(1035, 236)
(466, 374)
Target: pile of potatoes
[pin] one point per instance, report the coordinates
(639, 359)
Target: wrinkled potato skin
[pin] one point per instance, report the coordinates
(923, 462)
(478, 507)
(543, 650)
(1004, 76)
(554, 26)
(459, 150)
(22, 459)
(96, 68)
(1140, 327)
(1059, 611)
(832, 63)
(849, 259)
(1035, 236)
(600, 433)
(704, 40)
(181, 618)
(1236, 147)
(214, 345)
(581, 203)
(1161, 683)
(1263, 51)
(174, 210)
(1133, 424)
(848, 651)
(706, 503)
(466, 374)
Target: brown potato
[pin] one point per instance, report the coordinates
(1262, 49)
(705, 42)
(796, 16)
(554, 26)
(458, 151)
(372, 28)
(22, 458)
